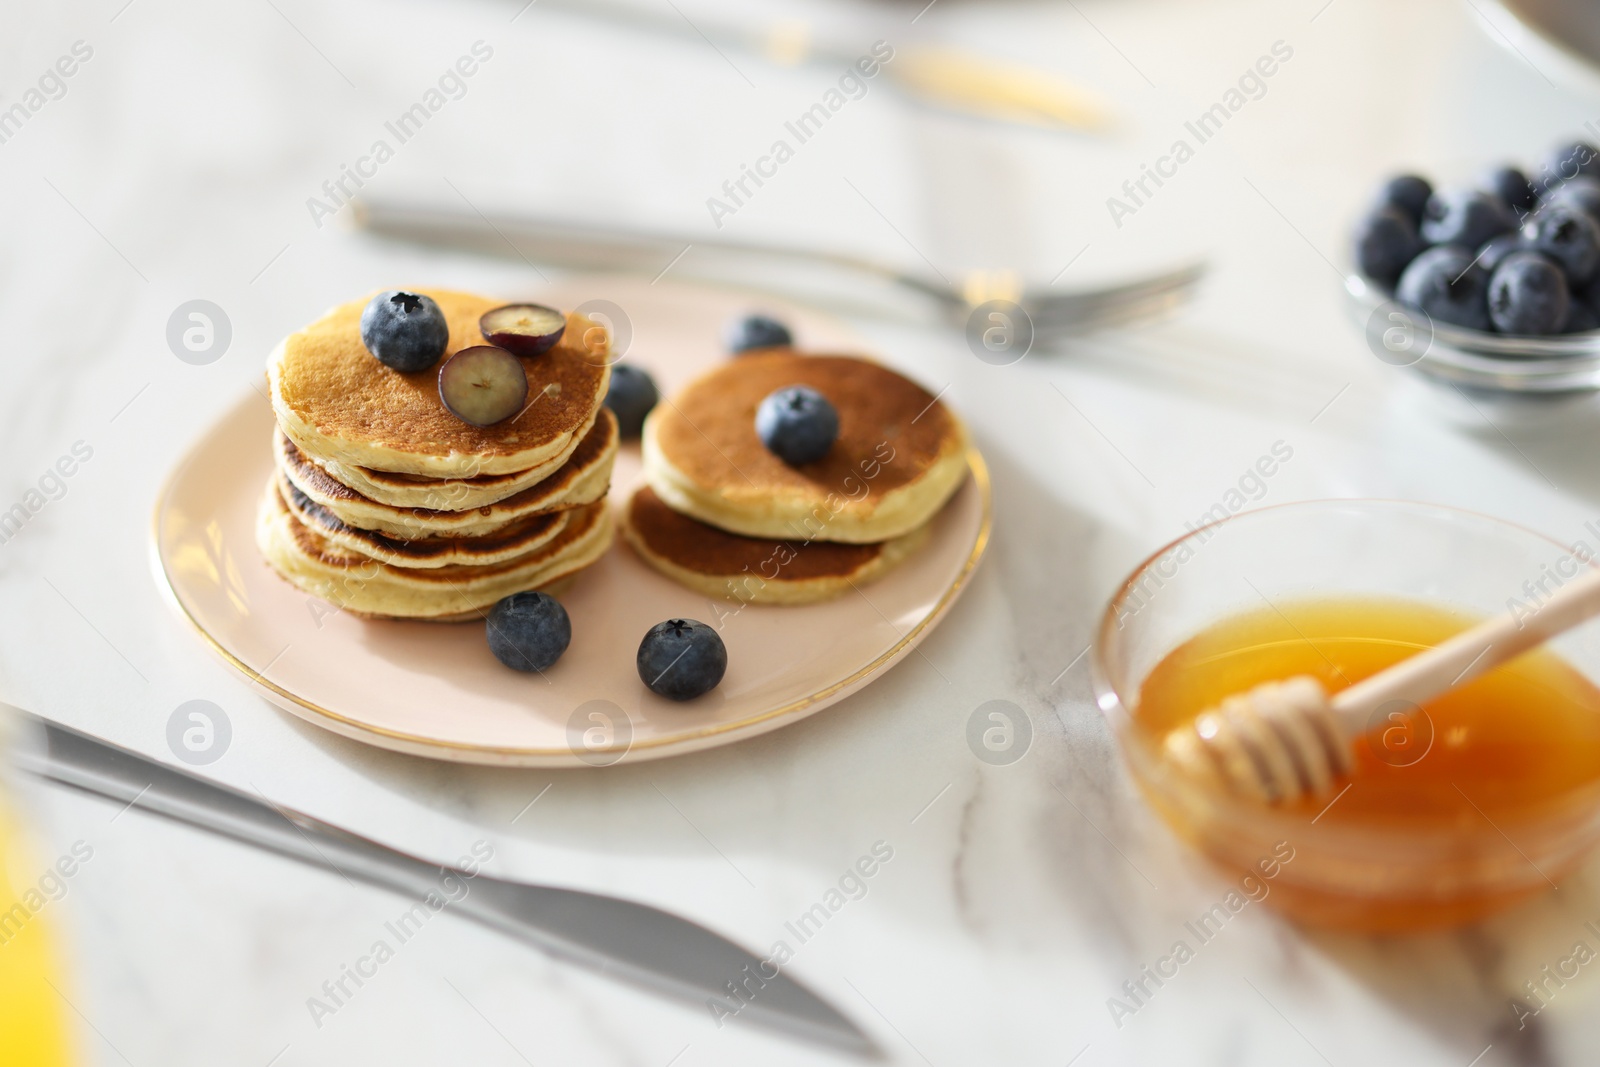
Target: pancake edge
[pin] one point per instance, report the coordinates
(402, 522)
(362, 541)
(384, 591)
(792, 515)
(779, 592)
(350, 452)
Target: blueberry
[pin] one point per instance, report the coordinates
(1569, 161)
(1494, 253)
(797, 424)
(1406, 192)
(1582, 193)
(1385, 242)
(1569, 236)
(1580, 319)
(681, 659)
(1585, 306)
(529, 631)
(1512, 187)
(757, 331)
(1528, 296)
(406, 331)
(631, 396)
(1448, 286)
(1467, 217)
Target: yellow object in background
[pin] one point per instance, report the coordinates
(32, 1026)
(994, 89)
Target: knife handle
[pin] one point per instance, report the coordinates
(60, 754)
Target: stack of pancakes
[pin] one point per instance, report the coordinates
(723, 515)
(384, 503)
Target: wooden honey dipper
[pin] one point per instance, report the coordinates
(1284, 740)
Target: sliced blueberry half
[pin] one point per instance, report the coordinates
(523, 329)
(483, 385)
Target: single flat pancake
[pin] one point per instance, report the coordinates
(753, 570)
(358, 583)
(583, 479)
(517, 539)
(899, 456)
(342, 407)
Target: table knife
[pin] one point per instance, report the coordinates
(634, 942)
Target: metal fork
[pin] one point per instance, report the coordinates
(591, 246)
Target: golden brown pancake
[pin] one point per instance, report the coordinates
(899, 456)
(362, 585)
(583, 479)
(753, 570)
(509, 542)
(342, 407)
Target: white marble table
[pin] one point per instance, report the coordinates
(177, 165)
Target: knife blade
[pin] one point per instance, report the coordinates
(634, 942)
(950, 78)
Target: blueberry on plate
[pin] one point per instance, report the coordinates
(1407, 193)
(1385, 242)
(630, 397)
(523, 329)
(1582, 193)
(1580, 318)
(1448, 286)
(757, 331)
(1494, 253)
(1512, 187)
(528, 631)
(406, 331)
(797, 424)
(1569, 236)
(1528, 296)
(680, 659)
(483, 385)
(1466, 217)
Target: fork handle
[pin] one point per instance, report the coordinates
(1471, 653)
(590, 246)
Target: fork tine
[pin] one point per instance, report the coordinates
(1120, 309)
(1177, 280)
(1059, 317)
(1065, 311)
(1104, 317)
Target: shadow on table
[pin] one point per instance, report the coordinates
(1558, 450)
(1470, 985)
(1052, 855)
(823, 789)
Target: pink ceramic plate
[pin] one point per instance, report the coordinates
(434, 689)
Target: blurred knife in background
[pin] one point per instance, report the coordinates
(948, 78)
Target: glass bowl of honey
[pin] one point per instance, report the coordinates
(1457, 809)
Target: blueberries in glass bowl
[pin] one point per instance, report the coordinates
(1518, 255)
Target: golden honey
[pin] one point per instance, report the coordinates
(1510, 759)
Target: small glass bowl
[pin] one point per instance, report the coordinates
(1519, 379)
(1396, 877)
